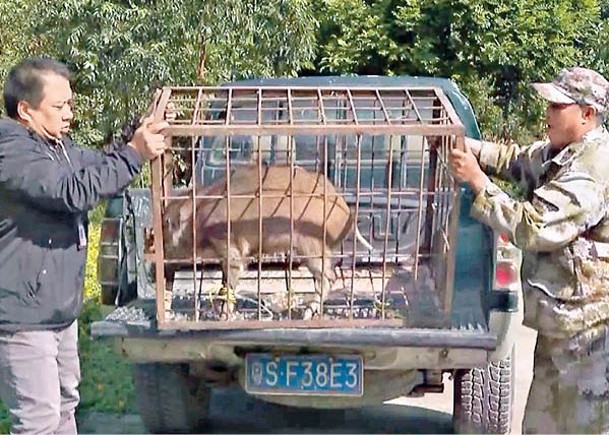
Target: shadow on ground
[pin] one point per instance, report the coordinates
(233, 411)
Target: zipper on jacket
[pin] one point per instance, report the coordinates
(80, 226)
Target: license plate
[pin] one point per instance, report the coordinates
(327, 375)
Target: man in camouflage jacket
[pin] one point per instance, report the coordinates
(562, 226)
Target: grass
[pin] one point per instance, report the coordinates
(106, 384)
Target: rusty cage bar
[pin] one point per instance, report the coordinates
(382, 150)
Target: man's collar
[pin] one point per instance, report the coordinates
(574, 148)
(14, 125)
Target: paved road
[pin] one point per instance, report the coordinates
(234, 412)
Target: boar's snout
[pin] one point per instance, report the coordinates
(176, 224)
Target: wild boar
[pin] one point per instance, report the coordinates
(308, 226)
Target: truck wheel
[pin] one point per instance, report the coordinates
(169, 400)
(483, 398)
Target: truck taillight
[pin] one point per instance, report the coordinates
(504, 238)
(506, 274)
(507, 263)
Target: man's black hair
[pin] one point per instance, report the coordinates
(24, 82)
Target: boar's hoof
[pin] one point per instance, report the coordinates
(227, 303)
(312, 311)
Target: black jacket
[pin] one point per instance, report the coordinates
(45, 193)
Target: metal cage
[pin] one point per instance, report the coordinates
(381, 150)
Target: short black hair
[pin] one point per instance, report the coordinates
(24, 81)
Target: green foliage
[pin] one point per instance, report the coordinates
(492, 48)
(356, 37)
(17, 38)
(92, 287)
(511, 188)
(106, 384)
(120, 51)
(5, 422)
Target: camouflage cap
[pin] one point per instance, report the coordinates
(577, 85)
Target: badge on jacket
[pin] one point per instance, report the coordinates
(82, 235)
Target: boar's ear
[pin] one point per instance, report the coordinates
(169, 222)
(185, 210)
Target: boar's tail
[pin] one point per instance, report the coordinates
(362, 240)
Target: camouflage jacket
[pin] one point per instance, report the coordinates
(561, 225)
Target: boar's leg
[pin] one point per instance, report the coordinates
(231, 273)
(322, 281)
(170, 271)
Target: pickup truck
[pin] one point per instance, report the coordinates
(462, 324)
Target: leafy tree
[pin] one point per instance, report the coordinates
(492, 48)
(17, 38)
(122, 50)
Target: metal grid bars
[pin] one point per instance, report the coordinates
(273, 110)
(304, 207)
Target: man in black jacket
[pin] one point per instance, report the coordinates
(47, 186)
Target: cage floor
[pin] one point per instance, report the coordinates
(366, 294)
